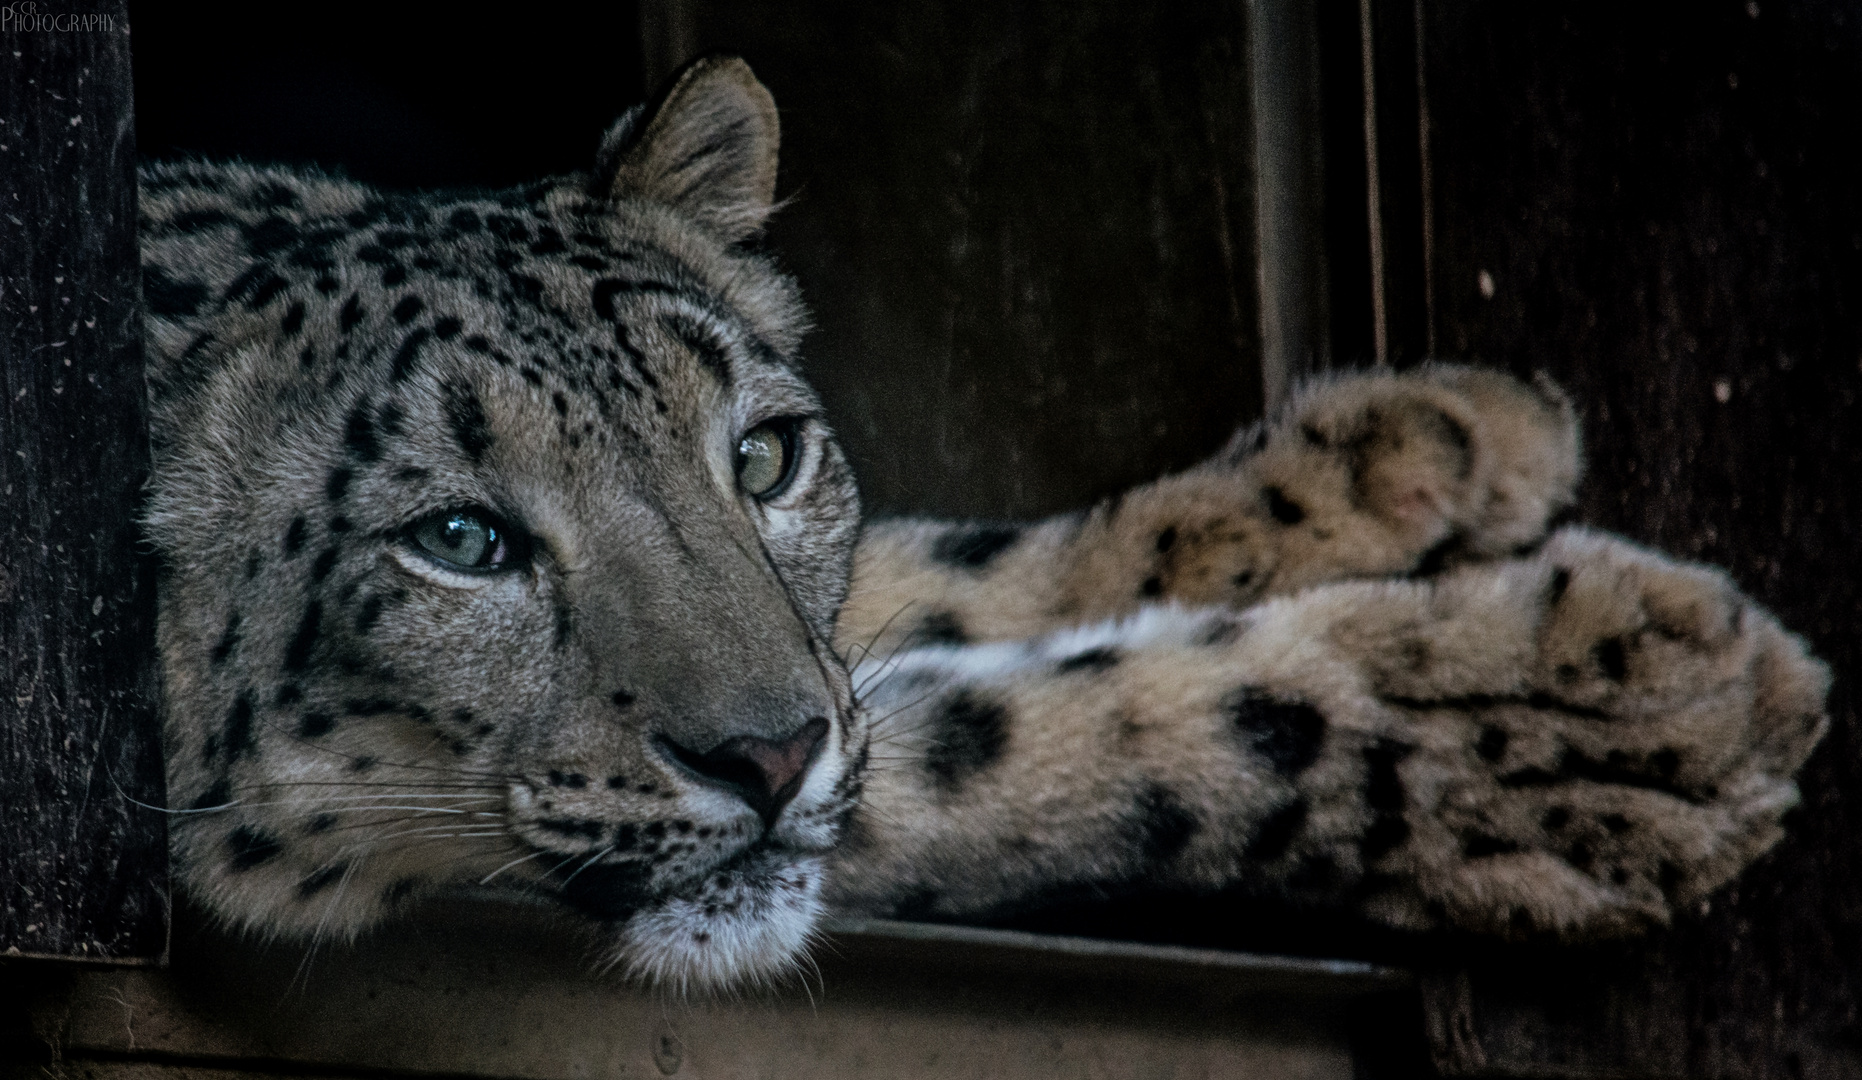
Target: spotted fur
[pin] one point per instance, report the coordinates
(1341, 661)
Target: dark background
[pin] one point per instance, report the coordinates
(1030, 232)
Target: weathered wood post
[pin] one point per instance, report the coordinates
(83, 862)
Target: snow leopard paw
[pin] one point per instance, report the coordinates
(1379, 473)
(1590, 740)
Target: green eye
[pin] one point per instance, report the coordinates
(766, 458)
(466, 540)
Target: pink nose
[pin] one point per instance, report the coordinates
(766, 773)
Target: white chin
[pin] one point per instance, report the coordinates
(739, 929)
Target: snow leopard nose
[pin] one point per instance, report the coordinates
(766, 773)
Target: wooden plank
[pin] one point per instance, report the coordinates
(495, 990)
(1657, 205)
(1026, 230)
(83, 867)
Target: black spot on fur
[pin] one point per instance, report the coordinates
(1383, 788)
(258, 286)
(321, 880)
(293, 320)
(169, 298)
(1283, 509)
(1243, 579)
(409, 309)
(326, 561)
(702, 343)
(351, 313)
(273, 196)
(297, 654)
(398, 893)
(250, 847)
(1616, 823)
(1314, 437)
(217, 795)
(376, 706)
(1164, 825)
(407, 354)
(359, 434)
(1287, 733)
(314, 724)
(578, 828)
(466, 221)
(1151, 586)
(194, 221)
(967, 736)
(1167, 539)
(1616, 768)
(269, 235)
(1561, 580)
(369, 614)
(238, 731)
(339, 524)
(447, 328)
(1094, 660)
(466, 416)
(528, 289)
(609, 891)
(1663, 765)
(506, 227)
(337, 485)
(1277, 832)
(1613, 658)
(1482, 846)
(622, 699)
(565, 625)
(972, 547)
(288, 694)
(1492, 744)
(1436, 559)
(1314, 873)
(390, 419)
(940, 628)
(1386, 833)
(1220, 631)
(1556, 818)
(229, 639)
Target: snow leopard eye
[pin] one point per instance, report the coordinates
(467, 539)
(766, 458)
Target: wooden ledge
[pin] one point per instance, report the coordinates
(493, 990)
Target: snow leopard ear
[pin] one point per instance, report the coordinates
(708, 147)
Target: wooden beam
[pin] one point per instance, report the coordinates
(83, 861)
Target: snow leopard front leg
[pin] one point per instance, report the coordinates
(1360, 475)
(1574, 743)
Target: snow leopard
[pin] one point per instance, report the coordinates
(505, 547)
